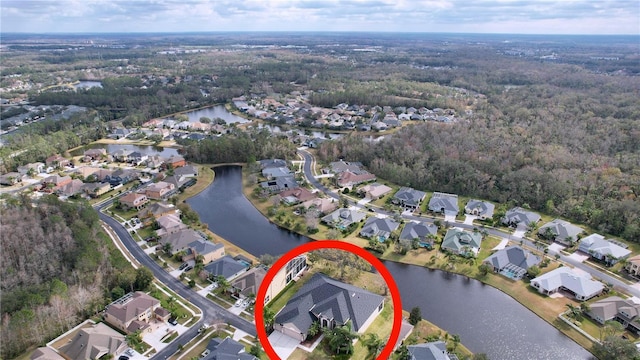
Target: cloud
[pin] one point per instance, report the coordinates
(531, 16)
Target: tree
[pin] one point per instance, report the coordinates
(223, 283)
(205, 120)
(117, 292)
(615, 348)
(340, 339)
(484, 269)
(166, 248)
(256, 350)
(373, 343)
(574, 312)
(144, 277)
(269, 318)
(314, 329)
(456, 341)
(415, 315)
(403, 352)
(609, 329)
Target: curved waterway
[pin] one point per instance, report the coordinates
(486, 319)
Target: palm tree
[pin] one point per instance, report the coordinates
(223, 283)
(574, 311)
(269, 318)
(455, 338)
(373, 343)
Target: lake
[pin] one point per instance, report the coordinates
(486, 319)
(218, 111)
(111, 148)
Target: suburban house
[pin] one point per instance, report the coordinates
(227, 267)
(186, 171)
(11, 178)
(606, 251)
(169, 224)
(436, 350)
(134, 311)
(154, 161)
(633, 265)
(53, 183)
(409, 198)
(349, 179)
(280, 184)
(443, 203)
(208, 250)
(378, 229)
(227, 349)
(247, 284)
(462, 242)
(56, 161)
(482, 209)
(122, 155)
(519, 217)
(94, 154)
(31, 168)
(134, 201)
(322, 205)
(374, 191)
(159, 190)
(276, 172)
(45, 353)
(329, 302)
(295, 196)
(156, 210)
(180, 240)
(121, 176)
(94, 342)
(564, 278)
(270, 163)
(512, 262)
(342, 166)
(137, 158)
(285, 275)
(625, 311)
(342, 218)
(180, 181)
(422, 232)
(96, 189)
(175, 161)
(73, 188)
(560, 231)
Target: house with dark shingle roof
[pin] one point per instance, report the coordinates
(280, 184)
(249, 282)
(560, 231)
(482, 209)
(208, 250)
(227, 267)
(132, 312)
(520, 217)
(379, 229)
(180, 239)
(462, 242)
(408, 197)
(436, 350)
(272, 163)
(227, 349)
(444, 203)
(329, 302)
(276, 172)
(423, 232)
(512, 261)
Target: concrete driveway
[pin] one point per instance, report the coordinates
(468, 219)
(450, 218)
(154, 338)
(283, 344)
(579, 256)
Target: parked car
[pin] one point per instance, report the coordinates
(183, 266)
(188, 268)
(123, 357)
(173, 321)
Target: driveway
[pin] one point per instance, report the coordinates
(154, 338)
(578, 256)
(468, 219)
(519, 233)
(283, 344)
(450, 218)
(555, 248)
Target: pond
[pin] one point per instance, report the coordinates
(218, 111)
(145, 149)
(486, 319)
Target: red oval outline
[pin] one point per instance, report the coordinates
(328, 244)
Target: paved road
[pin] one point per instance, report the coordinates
(309, 161)
(212, 312)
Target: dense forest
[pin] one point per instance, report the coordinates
(58, 269)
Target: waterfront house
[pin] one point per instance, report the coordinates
(624, 311)
(280, 184)
(295, 196)
(201, 247)
(180, 240)
(436, 350)
(378, 229)
(424, 233)
(462, 242)
(512, 262)
(227, 267)
(321, 205)
(156, 210)
(329, 302)
(342, 218)
(578, 283)
(159, 190)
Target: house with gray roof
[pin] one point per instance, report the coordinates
(579, 284)
(180, 239)
(436, 350)
(560, 231)
(226, 349)
(45, 353)
(186, 171)
(519, 217)
(227, 267)
(249, 282)
(423, 232)
(342, 218)
(208, 250)
(512, 261)
(329, 302)
(462, 242)
(444, 203)
(280, 184)
(408, 198)
(379, 229)
(606, 251)
(272, 163)
(342, 166)
(94, 342)
(276, 172)
(482, 209)
(608, 309)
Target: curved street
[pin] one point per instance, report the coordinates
(211, 312)
(606, 277)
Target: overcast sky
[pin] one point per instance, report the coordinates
(464, 16)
